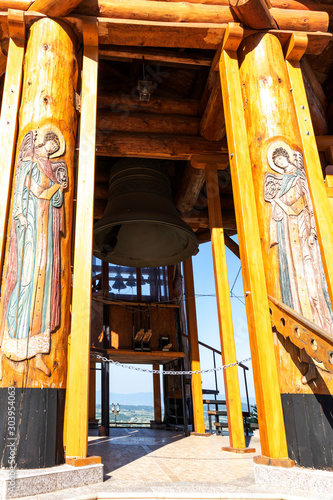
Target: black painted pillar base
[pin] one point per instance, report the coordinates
(31, 427)
(309, 429)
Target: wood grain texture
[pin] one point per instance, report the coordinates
(147, 123)
(188, 189)
(196, 383)
(271, 424)
(154, 145)
(156, 105)
(47, 100)
(212, 126)
(157, 395)
(313, 171)
(8, 124)
(78, 374)
(270, 74)
(253, 13)
(231, 382)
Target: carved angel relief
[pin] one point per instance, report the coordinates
(293, 229)
(31, 289)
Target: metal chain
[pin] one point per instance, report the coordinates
(168, 372)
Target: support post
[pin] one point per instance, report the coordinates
(92, 391)
(36, 284)
(321, 208)
(78, 376)
(271, 423)
(198, 411)
(157, 395)
(8, 119)
(231, 382)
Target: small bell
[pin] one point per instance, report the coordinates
(118, 282)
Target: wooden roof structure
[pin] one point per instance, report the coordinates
(180, 43)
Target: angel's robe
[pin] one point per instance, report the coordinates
(32, 288)
(293, 229)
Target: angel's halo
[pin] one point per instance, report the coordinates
(51, 128)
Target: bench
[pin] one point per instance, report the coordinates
(223, 413)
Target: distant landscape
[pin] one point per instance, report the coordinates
(137, 408)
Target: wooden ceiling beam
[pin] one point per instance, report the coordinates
(138, 145)
(212, 125)
(189, 188)
(162, 56)
(202, 13)
(147, 123)
(159, 105)
(253, 13)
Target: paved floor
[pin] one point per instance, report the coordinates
(146, 461)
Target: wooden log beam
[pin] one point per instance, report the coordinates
(157, 105)
(171, 35)
(155, 145)
(189, 188)
(54, 8)
(198, 13)
(212, 126)
(281, 4)
(179, 12)
(150, 55)
(253, 13)
(296, 20)
(200, 217)
(147, 123)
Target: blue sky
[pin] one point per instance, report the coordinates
(127, 381)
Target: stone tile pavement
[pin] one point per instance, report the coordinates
(160, 461)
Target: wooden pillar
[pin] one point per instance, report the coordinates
(92, 391)
(36, 283)
(198, 411)
(8, 120)
(271, 423)
(293, 212)
(157, 395)
(313, 170)
(231, 382)
(78, 375)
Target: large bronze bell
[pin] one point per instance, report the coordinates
(140, 226)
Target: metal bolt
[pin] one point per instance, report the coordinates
(302, 107)
(231, 155)
(307, 133)
(247, 293)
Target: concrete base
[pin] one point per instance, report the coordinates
(41, 481)
(297, 478)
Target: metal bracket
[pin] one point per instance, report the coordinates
(304, 334)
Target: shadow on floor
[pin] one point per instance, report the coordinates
(124, 446)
